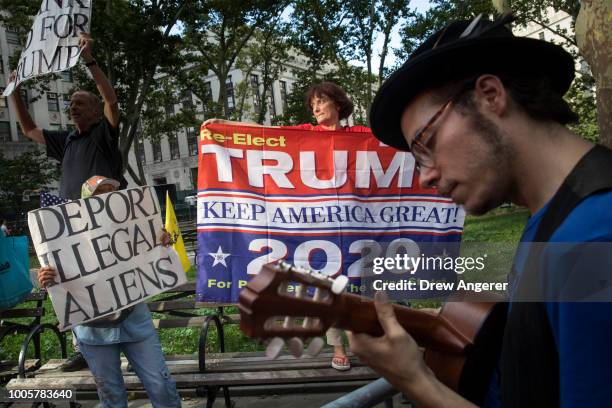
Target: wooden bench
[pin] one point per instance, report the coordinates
(206, 374)
(222, 370)
(31, 329)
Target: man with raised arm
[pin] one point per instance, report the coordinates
(92, 149)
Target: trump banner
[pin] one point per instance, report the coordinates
(106, 252)
(328, 201)
(52, 44)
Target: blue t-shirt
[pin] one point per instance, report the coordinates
(582, 330)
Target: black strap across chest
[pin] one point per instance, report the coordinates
(530, 360)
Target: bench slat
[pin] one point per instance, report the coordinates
(10, 369)
(36, 295)
(49, 370)
(162, 306)
(13, 313)
(197, 379)
(186, 287)
(174, 323)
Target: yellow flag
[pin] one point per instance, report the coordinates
(173, 229)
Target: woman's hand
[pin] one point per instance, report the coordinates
(215, 120)
(46, 276)
(231, 122)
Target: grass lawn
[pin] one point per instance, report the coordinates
(503, 225)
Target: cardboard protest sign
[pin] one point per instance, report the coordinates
(327, 201)
(52, 44)
(106, 252)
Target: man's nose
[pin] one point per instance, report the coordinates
(429, 177)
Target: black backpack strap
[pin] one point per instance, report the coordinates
(592, 174)
(530, 360)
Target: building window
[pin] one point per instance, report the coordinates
(20, 136)
(230, 103)
(52, 102)
(541, 35)
(157, 153)
(174, 146)
(3, 102)
(5, 132)
(169, 108)
(66, 76)
(187, 99)
(66, 102)
(141, 150)
(1, 65)
(208, 96)
(24, 97)
(255, 90)
(12, 36)
(283, 93)
(192, 141)
(194, 177)
(159, 180)
(271, 103)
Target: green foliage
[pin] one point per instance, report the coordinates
(215, 35)
(318, 29)
(503, 225)
(582, 100)
(25, 173)
(417, 27)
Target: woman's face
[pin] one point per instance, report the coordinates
(325, 111)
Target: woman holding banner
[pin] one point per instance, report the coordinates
(130, 330)
(329, 105)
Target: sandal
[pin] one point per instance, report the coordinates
(341, 363)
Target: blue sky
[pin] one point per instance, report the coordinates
(419, 5)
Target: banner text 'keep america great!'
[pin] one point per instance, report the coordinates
(328, 201)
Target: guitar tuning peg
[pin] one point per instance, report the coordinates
(339, 284)
(295, 346)
(315, 347)
(275, 347)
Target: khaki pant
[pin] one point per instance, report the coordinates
(334, 337)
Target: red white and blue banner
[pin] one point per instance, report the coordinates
(329, 201)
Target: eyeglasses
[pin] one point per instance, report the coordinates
(419, 146)
(423, 155)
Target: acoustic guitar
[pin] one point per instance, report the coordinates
(462, 342)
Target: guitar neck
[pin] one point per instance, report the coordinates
(431, 331)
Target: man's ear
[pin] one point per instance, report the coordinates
(491, 94)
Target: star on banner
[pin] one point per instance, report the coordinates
(219, 257)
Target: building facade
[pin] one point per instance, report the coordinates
(174, 159)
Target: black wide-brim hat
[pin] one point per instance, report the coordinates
(485, 48)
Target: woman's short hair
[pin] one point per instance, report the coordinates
(333, 92)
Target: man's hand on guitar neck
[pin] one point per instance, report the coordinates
(397, 357)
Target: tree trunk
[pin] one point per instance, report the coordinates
(594, 38)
